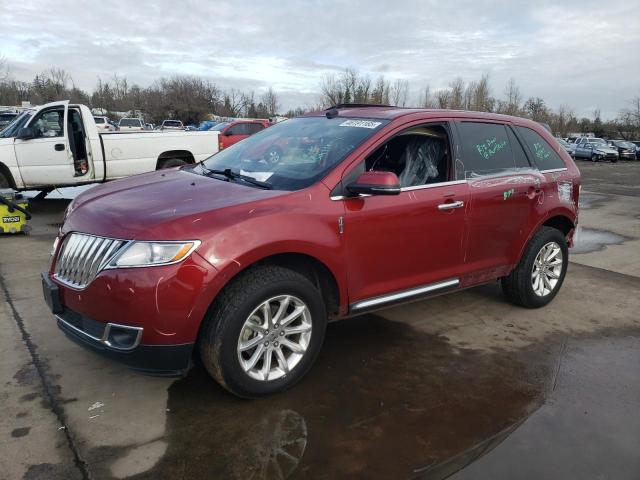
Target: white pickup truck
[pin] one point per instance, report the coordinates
(58, 144)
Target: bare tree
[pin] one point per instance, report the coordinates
(513, 102)
(270, 102)
(399, 92)
(456, 94)
(426, 99)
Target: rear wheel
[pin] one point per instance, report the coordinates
(172, 162)
(539, 275)
(264, 333)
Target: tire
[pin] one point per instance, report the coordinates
(519, 285)
(594, 158)
(4, 181)
(172, 162)
(273, 155)
(239, 305)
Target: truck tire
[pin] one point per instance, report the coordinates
(264, 331)
(537, 278)
(172, 162)
(4, 181)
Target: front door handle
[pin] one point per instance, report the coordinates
(451, 205)
(59, 147)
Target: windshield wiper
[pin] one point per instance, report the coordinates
(230, 174)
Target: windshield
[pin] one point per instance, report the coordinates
(598, 141)
(562, 142)
(172, 123)
(219, 127)
(11, 130)
(130, 122)
(7, 116)
(295, 154)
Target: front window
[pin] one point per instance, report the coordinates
(294, 154)
(12, 129)
(49, 124)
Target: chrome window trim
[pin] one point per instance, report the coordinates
(552, 170)
(409, 189)
(105, 336)
(433, 185)
(372, 302)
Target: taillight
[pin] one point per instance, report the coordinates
(220, 146)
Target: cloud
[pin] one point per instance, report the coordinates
(560, 53)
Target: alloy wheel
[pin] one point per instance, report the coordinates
(547, 269)
(274, 337)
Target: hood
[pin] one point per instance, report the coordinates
(162, 205)
(605, 149)
(5, 142)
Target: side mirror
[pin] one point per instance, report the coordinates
(26, 133)
(375, 183)
(228, 133)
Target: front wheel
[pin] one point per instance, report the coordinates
(594, 158)
(264, 333)
(537, 278)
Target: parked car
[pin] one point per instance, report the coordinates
(569, 147)
(130, 125)
(243, 261)
(233, 132)
(6, 118)
(104, 124)
(594, 149)
(637, 144)
(626, 150)
(38, 153)
(171, 125)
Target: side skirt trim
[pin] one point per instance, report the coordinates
(402, 295)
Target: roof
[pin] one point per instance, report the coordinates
(391, 113)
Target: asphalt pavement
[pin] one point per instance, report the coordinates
(464, 385)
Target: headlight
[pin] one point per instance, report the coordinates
(55, 245)
(142, 254)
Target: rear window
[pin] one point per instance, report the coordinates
(486, 149)
(543, 154)
(172, 123)
(7, 116)
(99, 120)
(130, 122)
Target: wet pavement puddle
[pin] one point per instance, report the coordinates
(587, 240)
(386, 400)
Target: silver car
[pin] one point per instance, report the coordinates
(595, 149)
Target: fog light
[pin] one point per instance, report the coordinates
(121, 337)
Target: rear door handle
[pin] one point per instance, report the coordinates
(451, 205)
(59, 147)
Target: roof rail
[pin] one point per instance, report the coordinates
(356, 105)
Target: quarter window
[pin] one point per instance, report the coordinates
(543, 154)
(485, 148)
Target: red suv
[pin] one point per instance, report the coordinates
(243, 260)
(233, 132)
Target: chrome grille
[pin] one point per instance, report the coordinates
(82, 256)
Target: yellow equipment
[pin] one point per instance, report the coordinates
(13, 212)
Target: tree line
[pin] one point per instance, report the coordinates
(192, 99)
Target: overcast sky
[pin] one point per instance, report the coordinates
(582, 53)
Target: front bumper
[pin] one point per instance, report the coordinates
(116, 341)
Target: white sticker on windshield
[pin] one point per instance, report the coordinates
(260, 176)
(360, 123)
